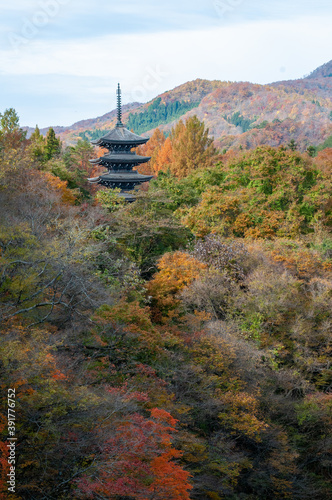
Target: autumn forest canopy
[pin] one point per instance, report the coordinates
(177, 347)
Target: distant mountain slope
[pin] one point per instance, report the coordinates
(88, 124)
(245, 114)
(319, 82)
(237, 114)
(324, 71)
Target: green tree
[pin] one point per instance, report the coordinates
(9, 121)
(75, 168)
(142, 231)
(11, 135)
(53, 145)
(311, 150)
(37, 146)
(266, 192)
(77, 157)
(292, 145)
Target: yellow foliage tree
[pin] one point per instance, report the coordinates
(191, 146)
(176, 271)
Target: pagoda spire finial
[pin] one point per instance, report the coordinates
(119, 124)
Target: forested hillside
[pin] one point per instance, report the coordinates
(177, 347)
(238, 114)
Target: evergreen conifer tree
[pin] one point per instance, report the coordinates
(53, 145)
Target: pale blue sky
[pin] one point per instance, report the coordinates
(60, 60)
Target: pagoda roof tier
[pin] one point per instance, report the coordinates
(120, 135)
(126, 176)
(123, 176)
(120, 158)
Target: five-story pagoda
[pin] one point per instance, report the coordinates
(120, 160)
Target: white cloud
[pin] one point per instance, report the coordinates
(260, 52)
(245, 51)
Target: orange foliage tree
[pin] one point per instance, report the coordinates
(164, 157)
(67, 195)
(188, 148)
(138, 462)
(152, 148)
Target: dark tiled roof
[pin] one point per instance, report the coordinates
(126, 176)
(120, 135)
(121, 158)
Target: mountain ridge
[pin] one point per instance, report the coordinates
(238, 114)
(58, 129)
